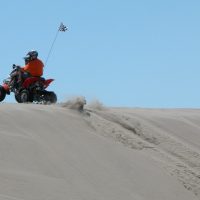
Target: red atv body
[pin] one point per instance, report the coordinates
(33, 89)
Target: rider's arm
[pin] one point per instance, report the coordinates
(25, 68)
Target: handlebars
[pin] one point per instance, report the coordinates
(16, 66)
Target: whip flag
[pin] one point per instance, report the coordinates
(62, 28)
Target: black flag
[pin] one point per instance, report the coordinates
(62, 27)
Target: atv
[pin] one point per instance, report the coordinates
(32, 89)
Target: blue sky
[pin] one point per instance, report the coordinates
(123, 53)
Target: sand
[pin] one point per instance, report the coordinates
(51, 152)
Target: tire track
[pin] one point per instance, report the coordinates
(141, 133)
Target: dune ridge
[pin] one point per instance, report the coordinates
(58, 152)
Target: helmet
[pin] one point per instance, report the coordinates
(31, 55)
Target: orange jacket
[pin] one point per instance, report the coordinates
(34, 67)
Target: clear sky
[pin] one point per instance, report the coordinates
(123, 53)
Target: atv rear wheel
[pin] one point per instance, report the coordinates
(17, 98)
(2, 93)
(50, 97)
(23, 96)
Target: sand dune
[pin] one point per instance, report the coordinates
(54, 152)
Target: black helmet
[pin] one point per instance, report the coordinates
(31, 55)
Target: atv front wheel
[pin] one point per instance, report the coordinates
(2, 93)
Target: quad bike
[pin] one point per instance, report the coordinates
(32, 89)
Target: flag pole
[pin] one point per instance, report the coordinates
(61, 28)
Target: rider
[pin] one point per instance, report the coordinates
(33, 66)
